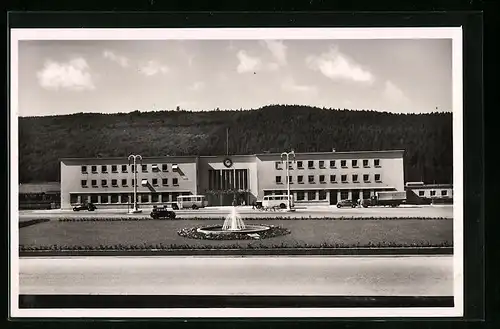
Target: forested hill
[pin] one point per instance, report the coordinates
(427, 138)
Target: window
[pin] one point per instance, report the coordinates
(94, 183)
(164, 196)
(84, 169)
(322, 179)
(290, 165)
(155, 168)
(104, 182)
(114, 198)
(155, 182)
(104, 169)
(175, 181)
(310, 164)
(332, 163)
(73, 198)
(354, 163)
(376, 163)
(114, 168)
(300, 196)
(344, 195)
(433, 193)
(355, 178)
(144, 168)
(377, 177)
(365, 163)
(124, 182)
(322, 164)
(300, 179)
(322, 195)
(164, 181)
(311, 179)
(144, 197)
(366, 178)
(300, 165)
(311, 195)
(114, 182)
(344, 178)
(84, 183)
(133, 168)
(267, 192)
(343, 163)
(333, 179)
(290, 180)
(421, 193)
(104, 198)
(154, 197)
(94, 169)
(93, 198)
(124, 168)
(164, 167)
(278, 180)
(133, 182)
(444, 193)
(124, 198)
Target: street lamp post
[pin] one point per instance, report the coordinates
(285, 156)
(133, 159)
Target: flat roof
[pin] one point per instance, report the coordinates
(426, 186)
(236, 155)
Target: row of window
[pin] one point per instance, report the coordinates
(433, 193)
(321, 195)
(126, 197)
(333, 179)
(124, 168)
(333, 164)
(114, 182)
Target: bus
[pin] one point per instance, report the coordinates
(190, 201)
(281, 201)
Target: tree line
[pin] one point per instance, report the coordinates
(426, 138)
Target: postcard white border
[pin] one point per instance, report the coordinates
(453, 33)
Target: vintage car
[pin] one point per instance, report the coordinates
(85, 206)
(346, 203)
(162, 212)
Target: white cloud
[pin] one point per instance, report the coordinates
(197, 86)
(338, 66)
(278, 50)
(394, 93)
(248, 63)
(152, 68)
(290, 85)
(121, 60)
(73, 75)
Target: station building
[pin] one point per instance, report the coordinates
(315, 178)
(433, 193)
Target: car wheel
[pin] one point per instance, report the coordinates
(282, 206)
(172, 215)
(338, 206)
(194, 207)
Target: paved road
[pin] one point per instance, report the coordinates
(374, 276)
(416, 211)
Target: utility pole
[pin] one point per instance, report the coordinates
(285, 156)
(227, 141)
(133, 159)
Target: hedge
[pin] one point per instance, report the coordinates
(118, 219)
(160, 246)
(33, 222)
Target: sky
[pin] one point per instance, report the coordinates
(70, 76)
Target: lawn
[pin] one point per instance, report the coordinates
(310, 233)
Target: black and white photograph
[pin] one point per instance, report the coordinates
(245, 172)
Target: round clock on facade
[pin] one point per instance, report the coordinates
(228, 162)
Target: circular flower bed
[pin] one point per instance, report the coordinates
(273, 231)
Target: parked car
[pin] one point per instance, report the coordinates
(162, 212)
(346, 203)
(85, 206)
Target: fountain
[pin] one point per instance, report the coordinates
(233, 224)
